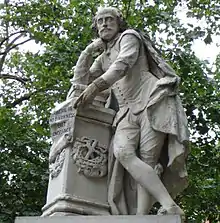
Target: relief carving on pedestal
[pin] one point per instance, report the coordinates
(56, 166)
(90, 157)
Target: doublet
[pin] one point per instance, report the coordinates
(124, 63)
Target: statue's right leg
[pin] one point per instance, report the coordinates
(126, 141)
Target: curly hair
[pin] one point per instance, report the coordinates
(115, 12)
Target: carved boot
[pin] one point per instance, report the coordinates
(173, 210)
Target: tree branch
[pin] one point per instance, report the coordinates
(7, 51)
(7, 23)
(2, 62)
(20, 100)
(14, 77)
(26, 97)
(12, 42)
(7, 38)
(11, 46)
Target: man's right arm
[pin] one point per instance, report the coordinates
(95, 70)
(85, 70)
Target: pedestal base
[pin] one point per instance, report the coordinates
(102, 219)
(67, 205)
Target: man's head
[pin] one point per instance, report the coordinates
(108, 22)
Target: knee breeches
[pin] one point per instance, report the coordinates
(135, 137)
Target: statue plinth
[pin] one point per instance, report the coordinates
(79, 159)
(104, 219)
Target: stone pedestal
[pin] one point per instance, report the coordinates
(78, 182)
(102, 219)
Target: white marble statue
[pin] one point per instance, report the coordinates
(151, 132)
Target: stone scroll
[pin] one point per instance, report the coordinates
(62, 125)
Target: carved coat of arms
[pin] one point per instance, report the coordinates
(90, 157)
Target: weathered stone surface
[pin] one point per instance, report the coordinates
(101, 219)
(146, 161)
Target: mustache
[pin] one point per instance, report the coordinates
(105, 29)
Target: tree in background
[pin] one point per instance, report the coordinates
(31, 83)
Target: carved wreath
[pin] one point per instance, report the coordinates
(89, 157)
(56, 167)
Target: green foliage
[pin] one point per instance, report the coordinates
(23, 165)
(31, 83)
